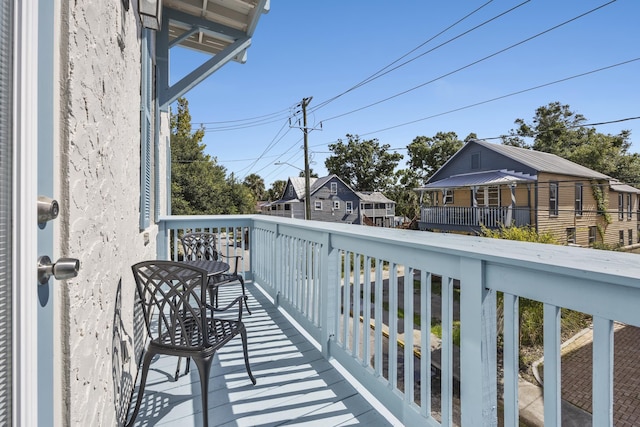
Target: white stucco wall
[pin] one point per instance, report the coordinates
(99, 187)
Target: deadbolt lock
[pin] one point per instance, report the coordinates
(48, 209)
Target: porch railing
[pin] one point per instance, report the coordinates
(356, 289)
(490, 217)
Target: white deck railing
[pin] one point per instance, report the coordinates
(490, 217)
(346, 286)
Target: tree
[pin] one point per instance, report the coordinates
(312, 174)
(364, 165)
(198, 183)
(256, 185)
(557, 129)
(195, 176)
(407, 203)
(276, 190)
(427, 155)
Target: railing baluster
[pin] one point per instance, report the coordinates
(409, 365)
(356, 306)
(393, 325)
(552, 374)
(446, 352)
(425, 343)
(378, 320)
(510, 354)
(346, 300)
(602, 371)
(366, 312)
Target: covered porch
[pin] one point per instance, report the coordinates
(467, 202)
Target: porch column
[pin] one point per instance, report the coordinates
(512, 206)
(474, 197)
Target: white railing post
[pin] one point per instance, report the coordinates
(478, 390)
(329, 294)
(602, 371)
(552, 375)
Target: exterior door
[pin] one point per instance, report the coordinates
(18, 206)
(46, 190)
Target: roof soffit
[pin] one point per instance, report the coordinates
(219, 28)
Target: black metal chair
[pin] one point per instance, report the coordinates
(180, 323)
(203, 245)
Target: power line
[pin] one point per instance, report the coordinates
(476, 104)
(243, 120)
(472, 63)
(380, 73)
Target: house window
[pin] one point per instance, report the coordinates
(621, 237)
(630, 235)
(571, 235)
(475, 161)
(336, 204)
(389, 208)
(349, 207)
(620, 206)
(290, 191)
(448, 197)
(146, 129)
(318, 205)
(593, 230)
(553, 198)
(629, 206)
(578, 206)
(334, 188)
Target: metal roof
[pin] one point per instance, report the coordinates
(542, 162)
(623, 188)
(373, 196)
(495, 177)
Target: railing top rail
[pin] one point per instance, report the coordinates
(598, 265)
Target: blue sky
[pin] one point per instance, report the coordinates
(322, 49)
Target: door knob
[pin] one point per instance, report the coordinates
(64, 268)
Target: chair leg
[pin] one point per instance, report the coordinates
(243, 334)
(145, 370)
(204, 369)
(244, 293)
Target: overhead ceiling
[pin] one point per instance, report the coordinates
(222, 29)
(231, 18)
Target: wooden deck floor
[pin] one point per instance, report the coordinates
(295, 384)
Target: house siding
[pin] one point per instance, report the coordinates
(99, 192)
(342, 195)
(567, 217)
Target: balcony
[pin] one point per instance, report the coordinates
(345, 287)
(462, 218)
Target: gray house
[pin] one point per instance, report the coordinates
(333, 201)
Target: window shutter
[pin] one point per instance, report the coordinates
(6, 41)
(146, 131)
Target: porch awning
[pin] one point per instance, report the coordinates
(623, 188)
(495, 177)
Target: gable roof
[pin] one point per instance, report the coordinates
(542, 162)
(531, 159)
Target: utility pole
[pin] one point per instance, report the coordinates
(307, 186)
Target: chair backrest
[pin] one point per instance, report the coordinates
(199, 246)
(173, 296)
